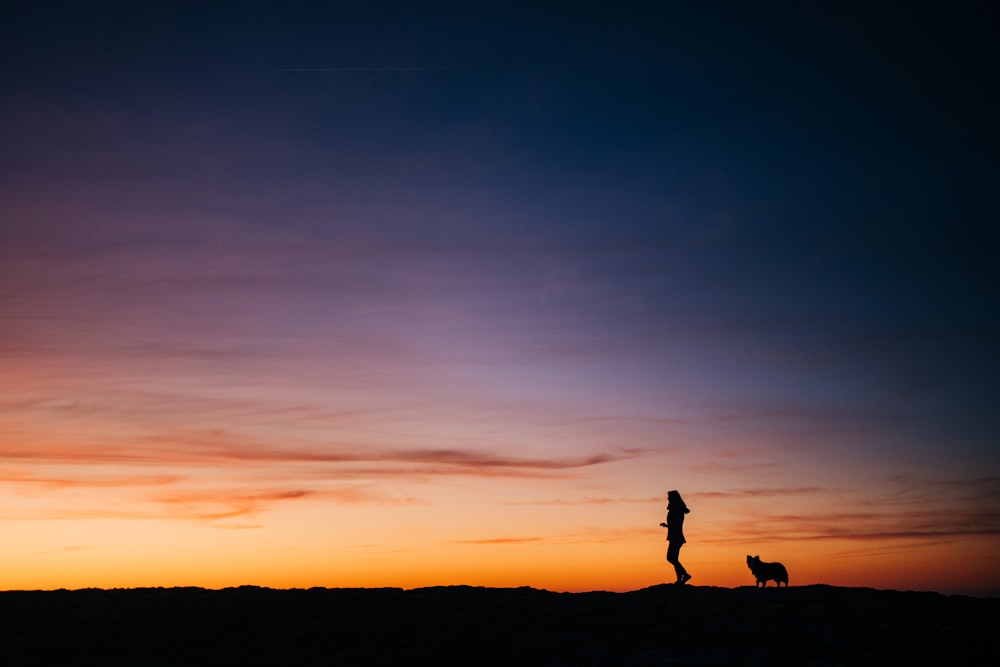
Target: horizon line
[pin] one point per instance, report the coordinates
(984, 594)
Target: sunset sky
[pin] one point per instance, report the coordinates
(371, 296)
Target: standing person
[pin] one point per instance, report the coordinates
(676, 509)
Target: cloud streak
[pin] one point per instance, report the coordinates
(763, 493)
(85, 480)
(212, 451)
(198, 503)
(591, 535)
(502, 540)
(593, 500)
(950, 522)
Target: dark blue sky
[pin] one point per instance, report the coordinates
(821, 169)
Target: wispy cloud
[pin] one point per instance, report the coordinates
(218, 448)
(204, 506)
(589, 500)
(501, 540)
(877, 527)
(85, 480)
(763, 492)
(226, 504)
(583, 535)
(904, 515)
(737, 467)
(909, 490)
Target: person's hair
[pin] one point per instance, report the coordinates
(674, 497)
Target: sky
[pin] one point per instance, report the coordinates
(370, 294)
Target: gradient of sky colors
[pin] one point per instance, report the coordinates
(301, 294)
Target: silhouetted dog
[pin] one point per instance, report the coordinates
(763, 571)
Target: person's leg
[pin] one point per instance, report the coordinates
(673, 552)
(673, 557)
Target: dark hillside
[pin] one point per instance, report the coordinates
(811, 625)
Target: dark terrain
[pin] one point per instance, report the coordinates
(661, 625)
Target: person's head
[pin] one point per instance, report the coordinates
(674, 497)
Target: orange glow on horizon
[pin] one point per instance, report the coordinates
(114, 553)
(200, 510)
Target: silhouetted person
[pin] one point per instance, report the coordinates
(676, 509)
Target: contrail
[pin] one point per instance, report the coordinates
(367, 69)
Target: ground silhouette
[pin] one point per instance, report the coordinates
(661, 625)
